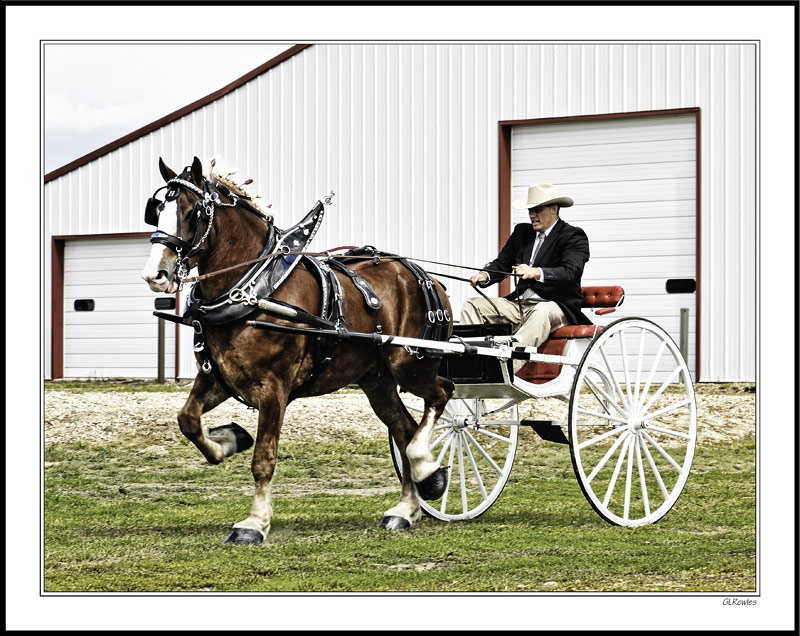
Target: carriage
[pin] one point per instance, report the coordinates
(631, 415)
(287, 329)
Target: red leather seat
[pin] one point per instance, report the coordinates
(604, 300)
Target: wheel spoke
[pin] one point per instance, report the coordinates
(615, 474)
(599, 438)
(624, 351)
(608, 398)
(639, 365)
(613, 376)
(653, 370)
(445, 447)
(483, 452)
(602, 416)
(461, 471)
(667, 431)
(609, 453)
(661, 389)
(628, 480)
(656, 473)
(475, 471)
(668, 409)
(507, 440)
(439, 439)
(449, 477)
(666, 455)
(645, 499)
(473, 411)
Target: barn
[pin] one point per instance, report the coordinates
(426, 146)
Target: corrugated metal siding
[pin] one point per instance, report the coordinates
(407, 137)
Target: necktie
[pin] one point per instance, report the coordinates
(528, 293)
(536, 248)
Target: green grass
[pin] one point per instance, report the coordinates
(129, 518)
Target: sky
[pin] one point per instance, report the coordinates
(95, 93)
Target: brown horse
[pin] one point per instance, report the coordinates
(208, 222)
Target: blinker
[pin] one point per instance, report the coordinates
(151, 211)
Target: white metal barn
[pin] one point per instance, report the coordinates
(426, 146)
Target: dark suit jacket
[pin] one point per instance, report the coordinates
(562, 257)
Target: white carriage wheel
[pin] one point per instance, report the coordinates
(632, 423)
(478, 442)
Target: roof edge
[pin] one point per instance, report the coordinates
(168, 119)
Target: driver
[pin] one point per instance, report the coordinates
(547, 255)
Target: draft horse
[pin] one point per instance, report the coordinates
(207, 221)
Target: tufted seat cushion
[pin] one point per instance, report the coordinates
(603, 300)
(602, 296)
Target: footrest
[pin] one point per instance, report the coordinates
(546, 429)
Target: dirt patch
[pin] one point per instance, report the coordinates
(724, 411)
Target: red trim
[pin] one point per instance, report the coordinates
(141, 132)
(504, 195)
(698, 250)
(57, 309)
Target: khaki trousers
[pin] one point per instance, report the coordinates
(541, 318)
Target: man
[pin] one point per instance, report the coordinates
(548, 256)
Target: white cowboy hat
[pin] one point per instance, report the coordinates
(542, 194)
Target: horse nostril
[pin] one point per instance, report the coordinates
(162, 273)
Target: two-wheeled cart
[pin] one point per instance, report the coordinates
(631, 424)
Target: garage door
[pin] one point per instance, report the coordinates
(634, 185)
(109, 327)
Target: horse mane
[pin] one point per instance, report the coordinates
(222, 171)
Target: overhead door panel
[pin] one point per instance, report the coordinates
(109, 327)
(634, 185)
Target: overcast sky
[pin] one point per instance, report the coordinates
(96, 93)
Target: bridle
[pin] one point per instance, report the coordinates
(206, 198)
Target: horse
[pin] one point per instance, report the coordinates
(208, 221)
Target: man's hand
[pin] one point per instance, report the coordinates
(480, 277)
(526, 272)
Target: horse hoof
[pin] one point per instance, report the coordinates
(245, 536)
(394, 523)
(434, 485)
(233, 432)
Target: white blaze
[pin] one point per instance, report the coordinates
(161, 257)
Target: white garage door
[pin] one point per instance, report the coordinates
(109, 327)
(634, 185)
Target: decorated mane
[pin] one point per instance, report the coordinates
(222, 172)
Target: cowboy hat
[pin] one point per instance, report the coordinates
(542, 194)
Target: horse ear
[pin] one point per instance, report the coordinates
(197, 170)
(166, 172)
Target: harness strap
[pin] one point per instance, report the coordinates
(370, 297)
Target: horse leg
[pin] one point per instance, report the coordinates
(221, 442)
(383, 397)
(254, 529)
(429, 477)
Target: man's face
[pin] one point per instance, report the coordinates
(543, 217)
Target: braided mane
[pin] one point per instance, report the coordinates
(222, 173)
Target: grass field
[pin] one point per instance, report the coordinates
(137, 518)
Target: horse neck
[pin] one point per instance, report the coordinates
(237, 236)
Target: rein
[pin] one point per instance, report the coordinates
(195, 279)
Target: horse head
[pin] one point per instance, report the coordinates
(183, 221)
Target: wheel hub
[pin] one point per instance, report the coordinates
(461, 422)
(637, 423)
